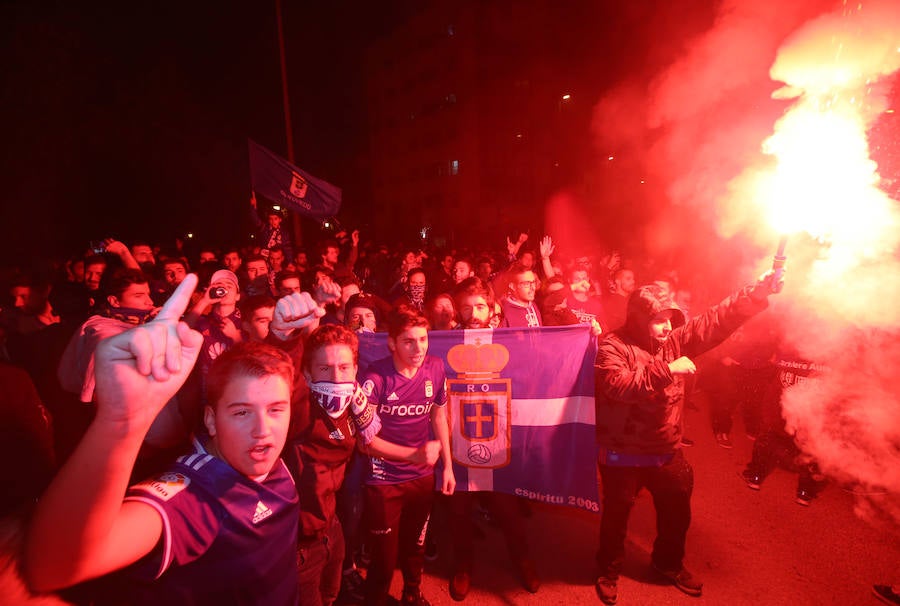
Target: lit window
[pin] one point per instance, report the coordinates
(454, 167)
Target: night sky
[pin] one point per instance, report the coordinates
(131, 121)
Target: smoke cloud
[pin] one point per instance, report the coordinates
(712, 135)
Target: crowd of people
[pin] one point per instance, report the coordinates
(197, 428)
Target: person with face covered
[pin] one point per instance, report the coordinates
(337, 414)
(414, 290)
(328, 415)
(128, 304)
(640, 377)
(588, 308)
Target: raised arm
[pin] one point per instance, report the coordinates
(353, 254)
(81, 529)
(706, 330)
(254, 211)
(297, 314)
(203, 305)
(547, 249)
(120, 250)
(512, 248)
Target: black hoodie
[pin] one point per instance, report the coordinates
(640, 403)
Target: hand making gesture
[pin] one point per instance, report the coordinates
(139, 370)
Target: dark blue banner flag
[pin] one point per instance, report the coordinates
(521, 409)
(295, 189)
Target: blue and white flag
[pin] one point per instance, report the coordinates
(521, 409)
(285, 184)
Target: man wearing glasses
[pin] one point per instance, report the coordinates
(518, 305)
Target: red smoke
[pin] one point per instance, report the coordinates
(696, 136)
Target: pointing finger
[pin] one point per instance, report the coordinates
(176, 305)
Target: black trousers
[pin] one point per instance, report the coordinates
(775, 448)
(733, 387)
(670, 486)
(398, 518)
(319, 565)
(505, 510)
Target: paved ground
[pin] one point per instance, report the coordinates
(748, 547)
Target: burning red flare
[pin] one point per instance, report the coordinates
(823, 181)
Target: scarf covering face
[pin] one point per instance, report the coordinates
(130, 315)
(335, 398)
(417, 292)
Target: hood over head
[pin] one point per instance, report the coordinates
(644, 303)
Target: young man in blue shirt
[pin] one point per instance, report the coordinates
(220, 525)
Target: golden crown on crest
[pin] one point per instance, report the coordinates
(478, 360)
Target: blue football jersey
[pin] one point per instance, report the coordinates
(227, 539)
(404, 408)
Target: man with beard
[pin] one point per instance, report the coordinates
(476, 306)
(143, 256)
(614, 303)
(519, 309)
(587, 308)
(640, 384)
(329, 254)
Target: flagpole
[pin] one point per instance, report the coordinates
(288, 128)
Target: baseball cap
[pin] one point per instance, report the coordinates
(224, 275)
